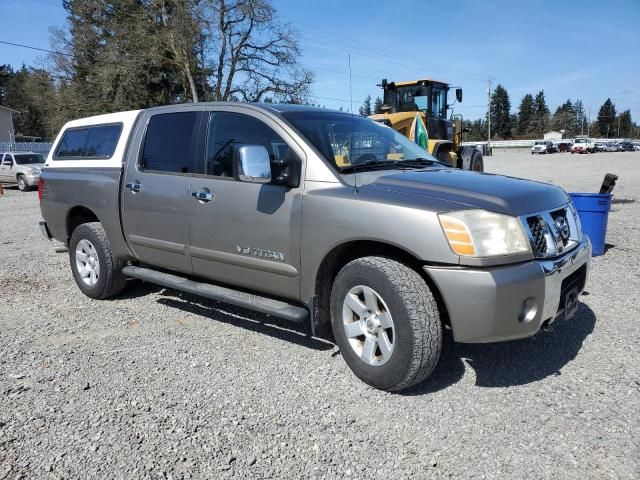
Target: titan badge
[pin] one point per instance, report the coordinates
(259, 252)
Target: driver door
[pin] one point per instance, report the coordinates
(5, 168)
(241, 233)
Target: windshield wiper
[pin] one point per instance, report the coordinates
(421, 161)
(418, 162)
(370, 164)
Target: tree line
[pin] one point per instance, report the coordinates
(534, 118)
(119, 55)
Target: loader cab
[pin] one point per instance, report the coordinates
(427, 96)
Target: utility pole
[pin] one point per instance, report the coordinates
(489, 117)
(619, 117)
(589, 123)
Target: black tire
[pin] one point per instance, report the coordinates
(416, 320)
(110, 280)
(23, 186)
(477, 162)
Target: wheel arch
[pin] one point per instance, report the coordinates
(77, 216)
(346, 252)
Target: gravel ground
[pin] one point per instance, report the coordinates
(157, 384)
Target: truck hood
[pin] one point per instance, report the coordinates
(496, 193)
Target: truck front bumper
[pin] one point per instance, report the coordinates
(514, 301)
(32, 179)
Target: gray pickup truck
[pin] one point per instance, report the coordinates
(317, 217)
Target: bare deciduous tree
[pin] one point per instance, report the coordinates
(253, 54)
(180, 33)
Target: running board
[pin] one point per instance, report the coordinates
(277, 308)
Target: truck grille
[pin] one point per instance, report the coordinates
(536, 229)
(553, 232)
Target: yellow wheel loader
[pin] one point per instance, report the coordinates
(427, 99)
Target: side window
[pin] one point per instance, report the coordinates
(169, 143)
(8, 159)
(230, 130)
(96, 142)
(102, 141)
(72, 144)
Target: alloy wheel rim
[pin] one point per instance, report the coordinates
(87, 262)
(368, 325)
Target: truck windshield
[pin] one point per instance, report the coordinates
(349, 140)
(26, 158)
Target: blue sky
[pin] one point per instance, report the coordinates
(570, 48)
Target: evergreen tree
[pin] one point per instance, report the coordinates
(626, 125)
(540, 121)
(32, 93)
(564, 118)
(500, 113)
(607, 118)
(525, 114)
(580, 124)
(365, 108)
(477, 130)
(377, 105)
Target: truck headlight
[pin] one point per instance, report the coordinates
(479, 233)
(35, 171)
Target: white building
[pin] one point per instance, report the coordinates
(554, 135)
(7, 134)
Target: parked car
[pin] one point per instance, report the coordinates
(582, 144)
(600, 147)
(22, 168)
(317, 217)
(636, 146)
(625, 147)
(564, 146)
(543, 146)
(611, 147)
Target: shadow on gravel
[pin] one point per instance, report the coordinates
(240, 317)
(508, 364)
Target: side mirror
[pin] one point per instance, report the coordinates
(466, 130)
(459, 94)
(252, 164)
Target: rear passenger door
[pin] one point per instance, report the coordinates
(156, 191)
(245, 234)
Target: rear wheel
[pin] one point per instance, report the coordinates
(386, 322)
(96, 271)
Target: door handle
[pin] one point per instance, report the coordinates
(134, 187)
(203, 196)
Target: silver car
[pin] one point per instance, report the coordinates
(22, 168)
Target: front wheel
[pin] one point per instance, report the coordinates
(23, 186)
(386, 323)
(96, 271)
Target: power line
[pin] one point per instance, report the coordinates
(55, 52)
(381, 52)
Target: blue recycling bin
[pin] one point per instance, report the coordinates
(593, 210)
